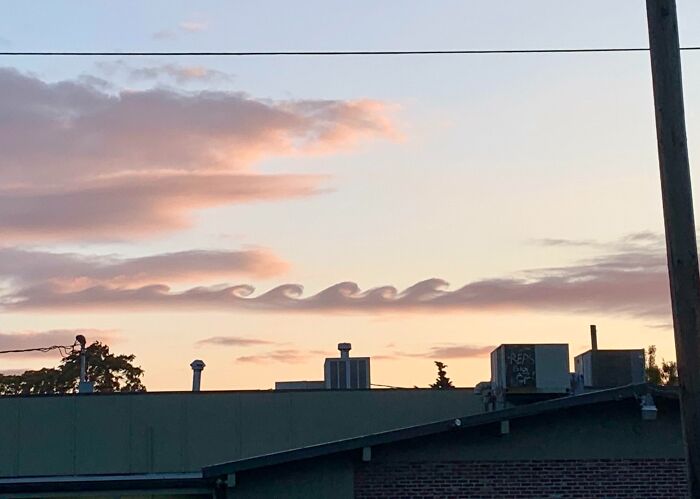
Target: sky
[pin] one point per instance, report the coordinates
(255, 212)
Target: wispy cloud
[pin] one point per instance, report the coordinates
(193, 26)
(285, 355)
(183, 28)
(164, 34)
(233, 341)
(444, 351)
(456, 352)
(81, 162)
(176, 72)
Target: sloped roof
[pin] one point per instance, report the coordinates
(456, 424)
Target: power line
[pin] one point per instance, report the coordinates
(64, 349)
(335, 52)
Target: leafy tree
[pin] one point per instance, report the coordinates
(665, 374)
(107, 372)
(442, 382)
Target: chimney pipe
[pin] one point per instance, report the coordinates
(344, 350)
(197, 368)
(594, 338)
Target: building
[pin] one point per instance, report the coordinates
(599, 444)
(161, 439)
(526, 433)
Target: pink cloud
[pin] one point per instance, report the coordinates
(54, 132)
(81, 162)
(135, 205)
(632, 283)
(73, 271)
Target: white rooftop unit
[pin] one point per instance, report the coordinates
(531, 368)
(345, 373)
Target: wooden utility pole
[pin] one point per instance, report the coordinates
(681, 246)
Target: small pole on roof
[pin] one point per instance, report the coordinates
(681, 245)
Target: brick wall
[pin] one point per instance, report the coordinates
(596, 478)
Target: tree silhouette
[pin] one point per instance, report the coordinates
(108, 373)
(442, 382)
(665, 374)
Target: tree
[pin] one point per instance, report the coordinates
(108, 373)
(442, 382)
(666, 374)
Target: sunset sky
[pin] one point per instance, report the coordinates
(254, 212)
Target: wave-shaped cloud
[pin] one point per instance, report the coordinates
(633, 283)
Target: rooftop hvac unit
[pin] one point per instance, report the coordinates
(345, 372)
(610, 368)
(531, 368)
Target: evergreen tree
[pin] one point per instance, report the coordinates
(442, 382)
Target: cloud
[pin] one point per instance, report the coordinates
(181, 74)
(135, 205)
(70, 271)
(454, 352)
(40, 339)
(186, 27)
(629, 242)
(176, 72)
(566, 242)
(445, 351)
(287, 356)
(632, 283)
(164, 34)
(233, 341)
(192, 26)
(79, 160)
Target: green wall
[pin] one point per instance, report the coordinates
(171, 432)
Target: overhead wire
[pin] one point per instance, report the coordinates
(65, 350)
(323, 53)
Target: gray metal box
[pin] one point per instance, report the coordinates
(347, 373)
(531, 368)
(610, 368)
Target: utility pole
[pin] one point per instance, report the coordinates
(681, 246)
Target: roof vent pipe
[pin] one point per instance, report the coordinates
(594, 338)
(197, 368)
(344, 350)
